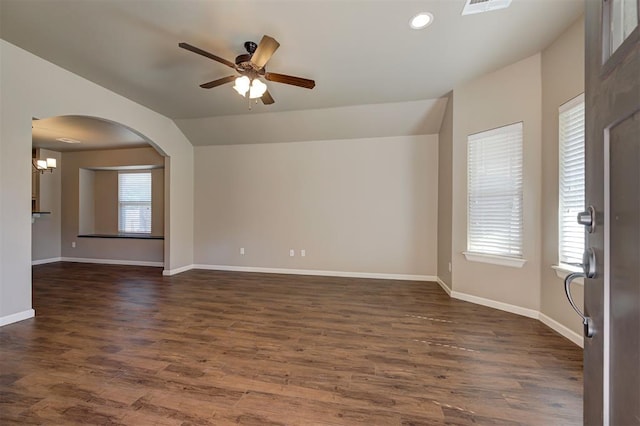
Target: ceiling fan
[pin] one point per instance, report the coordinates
(251, 66)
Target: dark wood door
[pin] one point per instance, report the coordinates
(612, 298)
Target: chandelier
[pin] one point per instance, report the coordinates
(43, 165)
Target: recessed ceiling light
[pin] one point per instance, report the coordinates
(421, 20)
(67, 140)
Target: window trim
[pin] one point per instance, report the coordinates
(519, 260)
(131, 172)
(570, 104)
(562, 270)
(514, 262)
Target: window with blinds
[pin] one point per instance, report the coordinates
(571, 180)
(494, 185)
(134, 202)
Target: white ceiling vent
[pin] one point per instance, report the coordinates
(479, 6)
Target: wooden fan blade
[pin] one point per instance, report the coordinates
(265, 49)
(267, 99)
(289, 79)
(218, 82)
(199, 51)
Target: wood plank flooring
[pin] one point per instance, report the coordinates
(122, 345)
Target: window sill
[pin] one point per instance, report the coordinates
(563, 270)
(494, 260)
(132, 236)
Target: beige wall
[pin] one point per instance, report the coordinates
(562, 80)
(86, 191)
(358, 205)
(45, 230)
(105, 188)
(506, 96)
(445, 176)
(86, 200)
(157, 200)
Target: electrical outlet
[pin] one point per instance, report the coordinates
(242, 251)
(303, 252)
(73, 244)
(292, 252)
(449, 266)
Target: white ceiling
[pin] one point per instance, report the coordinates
(90, 133)
(359, 52)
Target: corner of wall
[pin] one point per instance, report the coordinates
(445, 170)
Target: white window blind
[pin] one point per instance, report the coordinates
(134, 202)
(494, 179)
(571, 180)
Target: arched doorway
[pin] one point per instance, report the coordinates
(78, 210)
(33, 87)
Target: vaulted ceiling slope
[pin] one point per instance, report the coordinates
(350, 122)
(358, 52)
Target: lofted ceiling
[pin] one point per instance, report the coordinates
(359, 52)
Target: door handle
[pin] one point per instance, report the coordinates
(589, 271)
(587, 218)
(587, 323)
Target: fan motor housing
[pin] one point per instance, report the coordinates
(244, 65)
(242, 59)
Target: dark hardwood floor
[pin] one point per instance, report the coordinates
(117, 345)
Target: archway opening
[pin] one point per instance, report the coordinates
(105, 200)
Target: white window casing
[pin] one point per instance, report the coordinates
(495, 192)
(134, 202)
(571, 181)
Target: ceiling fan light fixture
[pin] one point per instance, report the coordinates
(257, 89)
(421, 20)
(242, 85)
(251, 67)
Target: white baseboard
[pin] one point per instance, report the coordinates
(525, 312)
(530, 313)
(43, 261)
(112, 261)
(322, 273)
(562, 330)
(444, 286)
(19, 316)
(169, 272)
